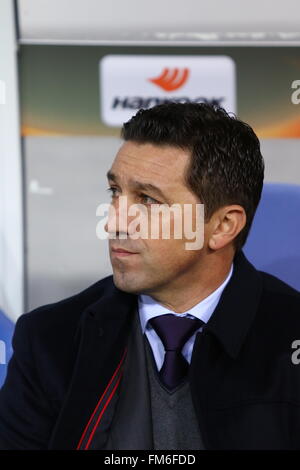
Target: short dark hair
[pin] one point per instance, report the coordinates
(226, 164)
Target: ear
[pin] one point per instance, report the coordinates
(226, 223)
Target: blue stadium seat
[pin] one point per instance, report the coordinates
(273, 244)
(6, 332)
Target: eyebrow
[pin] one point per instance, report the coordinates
(139, 185)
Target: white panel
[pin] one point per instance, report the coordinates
(130, 82)
(11, 227)
(119, 19)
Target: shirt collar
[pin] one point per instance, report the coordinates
(149, 308)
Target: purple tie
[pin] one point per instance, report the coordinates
(174, 331)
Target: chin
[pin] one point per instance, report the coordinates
(126, 284)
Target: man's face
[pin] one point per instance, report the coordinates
(156, 264)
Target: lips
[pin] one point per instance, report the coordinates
(121, 250)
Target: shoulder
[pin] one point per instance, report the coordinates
(48, 337)
(275, 287)
(280, 298)
(45, 347)
(67, 312)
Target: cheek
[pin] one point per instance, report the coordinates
(164, 228)
(163, 253)
(171, 250)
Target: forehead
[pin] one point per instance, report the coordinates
(165, 164)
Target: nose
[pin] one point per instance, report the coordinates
(126, 220)
(118, 220)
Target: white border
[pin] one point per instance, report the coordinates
(153, 42)
(11, 213)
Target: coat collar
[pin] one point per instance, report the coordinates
(237, 306)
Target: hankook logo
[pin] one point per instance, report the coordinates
(131, 82)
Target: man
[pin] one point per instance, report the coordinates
(180, 348)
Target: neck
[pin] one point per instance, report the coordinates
(181, 296)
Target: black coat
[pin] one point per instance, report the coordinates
(244, 384)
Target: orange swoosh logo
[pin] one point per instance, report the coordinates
(171, 79)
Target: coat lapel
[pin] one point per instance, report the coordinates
(103, 334)
(132, 423)
(217, 348)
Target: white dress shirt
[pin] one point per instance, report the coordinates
(149, 308)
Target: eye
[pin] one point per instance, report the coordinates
(146, 199)
(112, 190)
(151, 200)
